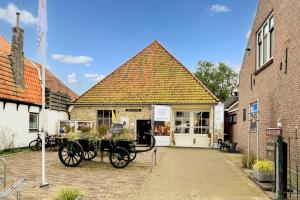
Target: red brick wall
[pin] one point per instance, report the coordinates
(278, 93)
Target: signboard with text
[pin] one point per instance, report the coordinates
(274, 131)
(162, 124)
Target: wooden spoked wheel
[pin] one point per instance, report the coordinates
(89, 155)
(132, 155)
(71, 154)
(119, 157)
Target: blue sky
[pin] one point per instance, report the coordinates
(89, 39)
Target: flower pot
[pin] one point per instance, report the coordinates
(263, 175)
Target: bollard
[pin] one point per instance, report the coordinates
(279, 170)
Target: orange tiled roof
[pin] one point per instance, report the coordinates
(53, 83)
(153, 76)
(31, 77)
(31, 93)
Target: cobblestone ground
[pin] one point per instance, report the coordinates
(96, 179)
(181, 173)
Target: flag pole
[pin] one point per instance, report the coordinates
(42, 44)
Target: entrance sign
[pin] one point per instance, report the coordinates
(162, 124)
(274, 131)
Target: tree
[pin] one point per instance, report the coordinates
(220, 79)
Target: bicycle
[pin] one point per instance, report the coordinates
(52, 142)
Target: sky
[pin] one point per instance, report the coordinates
(87, 40)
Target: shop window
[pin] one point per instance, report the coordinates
(201, 122)
(265, 42)
(33, 121)
(105, 118)
(182, 122)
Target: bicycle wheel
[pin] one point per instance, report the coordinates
(35, 145)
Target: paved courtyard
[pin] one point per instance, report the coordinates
(181, 173)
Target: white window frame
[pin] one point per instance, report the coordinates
(191, 126)
(37, 118)
(261, 58)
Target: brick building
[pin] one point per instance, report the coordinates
(269, 77)
(150, 86)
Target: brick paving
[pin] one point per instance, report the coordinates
(181, 173)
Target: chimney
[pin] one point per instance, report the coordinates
(17, 56)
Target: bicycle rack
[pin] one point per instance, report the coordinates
(14, 187)
(3, 179)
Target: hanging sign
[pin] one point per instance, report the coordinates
(274, 131)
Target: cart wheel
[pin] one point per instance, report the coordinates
(119, 157)
(35, 145)
(89, 155)
(71, 154)
(132, 156)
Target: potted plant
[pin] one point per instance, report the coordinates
(263, 171)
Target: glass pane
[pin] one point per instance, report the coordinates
(266, 29)
(205, 122)
(205, 130)
(271, 42)
(265, 53)
(271, 22)
(100, 114)
(197, 131)
(100, 122)
(107, 113)
(177, 122)
(186, 130)
(33, 121)
(205, 115)
(177, 130)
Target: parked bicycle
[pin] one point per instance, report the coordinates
(51, 141)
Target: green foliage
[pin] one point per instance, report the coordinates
(127, 134)
(265, 165)
(103, 130)
(220, 79)
(67, 193)
(252, 160)
(73, 136)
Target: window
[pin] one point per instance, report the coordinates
(201, 122)
(105, 118)
(244, 114)
(182, 122)
(232, 119)
(265, 42)
(33, 121)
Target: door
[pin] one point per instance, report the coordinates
(142, 127)
(191, 128)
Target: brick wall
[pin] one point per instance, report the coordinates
(278, 92)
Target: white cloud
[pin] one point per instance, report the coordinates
(72, 79)
(218, 8)
(94, 76)
(8, 14)
(73, 59)
(248, 34)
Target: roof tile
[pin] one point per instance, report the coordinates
(153, 76)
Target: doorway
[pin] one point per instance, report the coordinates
(142, 127)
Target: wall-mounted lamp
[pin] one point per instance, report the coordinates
(279, 123)
(248, 49)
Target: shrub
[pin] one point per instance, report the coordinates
(265, 165)
(67, 193)
(127, 134)
(73, 136)
(252, 159)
